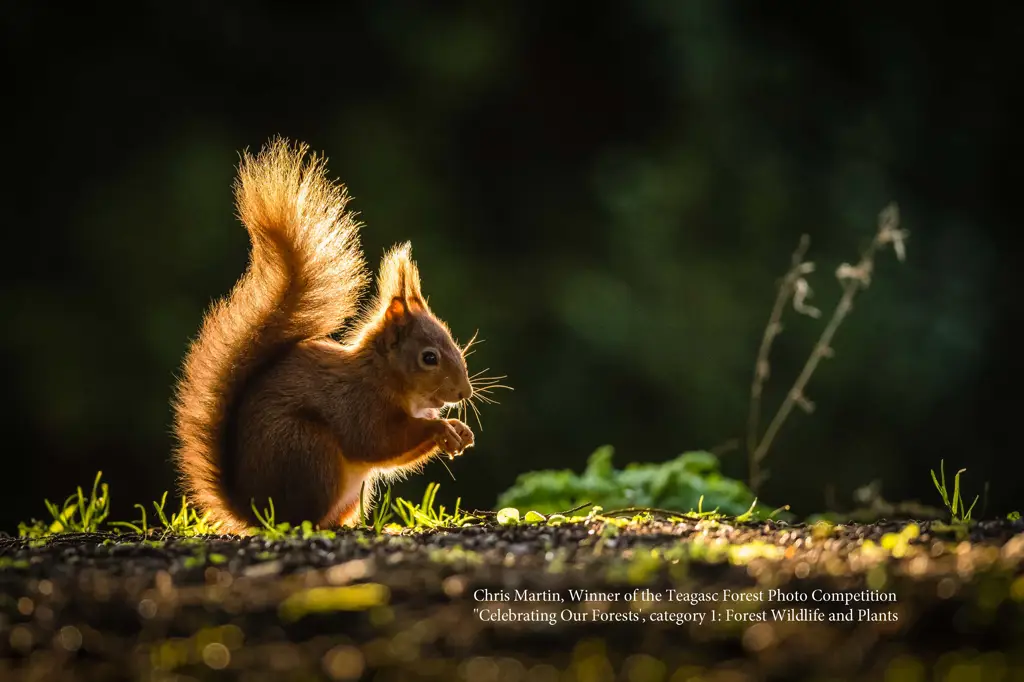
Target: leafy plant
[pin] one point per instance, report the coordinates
(960, 512)
(693, 479)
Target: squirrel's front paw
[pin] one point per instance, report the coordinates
(454, 437)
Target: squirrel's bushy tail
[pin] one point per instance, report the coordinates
(305, 275)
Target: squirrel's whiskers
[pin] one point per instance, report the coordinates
(482, 386)
(466, 352)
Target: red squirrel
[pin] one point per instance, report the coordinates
(268, 405)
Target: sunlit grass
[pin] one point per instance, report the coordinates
(83, 512)
(78, 513)
(425, 515)
(959, 511)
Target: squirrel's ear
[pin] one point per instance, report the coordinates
(396, 317)
(400, 279)
(397, 312)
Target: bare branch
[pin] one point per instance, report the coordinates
(853, 278)
(762, 368)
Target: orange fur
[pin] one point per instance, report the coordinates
(268, 405)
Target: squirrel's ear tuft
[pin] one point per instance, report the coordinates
(399, 279)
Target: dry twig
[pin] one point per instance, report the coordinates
(794, 286)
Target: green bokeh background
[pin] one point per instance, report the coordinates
(608, 191)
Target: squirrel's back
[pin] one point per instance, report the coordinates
(305, 276)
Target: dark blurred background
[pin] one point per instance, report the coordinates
(608, 191)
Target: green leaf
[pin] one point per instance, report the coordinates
(967, 514)
(599, 465)
(749, 514)
(698, 462)
(508, 516)
(956, 492)
(941, 487)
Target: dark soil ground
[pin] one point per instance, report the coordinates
(692, 600)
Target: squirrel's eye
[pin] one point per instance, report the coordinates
(429, 358)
